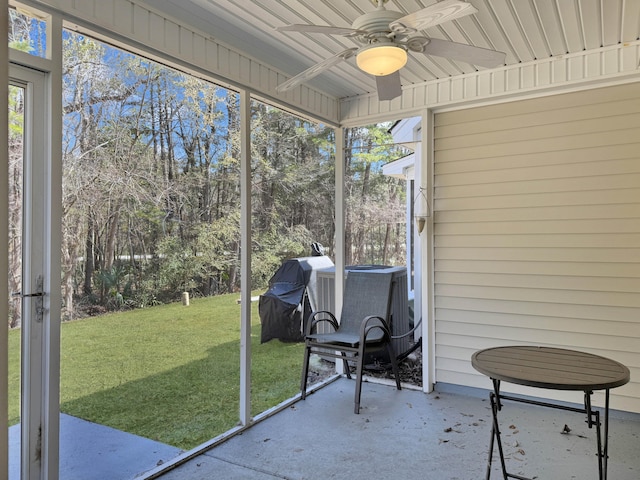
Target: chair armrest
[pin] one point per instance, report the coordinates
(367, 325)
(313, 321)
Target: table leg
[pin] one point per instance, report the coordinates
(601, 475)
(605, 458)
(494, 398)
(602, 438)
(490, 459)
(496, 405)
(495, 438)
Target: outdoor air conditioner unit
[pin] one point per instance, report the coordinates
(400, 322)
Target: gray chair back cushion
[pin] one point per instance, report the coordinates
(365, 293)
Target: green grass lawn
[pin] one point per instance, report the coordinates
(169, 373)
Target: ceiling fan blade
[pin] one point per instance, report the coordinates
(483, 57)
(432, 15)
(389, 86)
(327, 30)
(318, 68)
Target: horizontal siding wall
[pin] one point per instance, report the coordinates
(537, 232)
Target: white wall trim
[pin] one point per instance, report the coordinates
(245, 258)
(4, 248)
(589, 69)
(340, 220)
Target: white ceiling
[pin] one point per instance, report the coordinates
(526, 30)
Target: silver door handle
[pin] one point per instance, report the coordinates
(39, 295)
(20, 294)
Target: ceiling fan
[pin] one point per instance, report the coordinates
(385, 36)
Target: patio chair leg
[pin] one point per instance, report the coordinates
(394, 365)
(356, 409)
(305, 372)
(359, 368)
(347, 370)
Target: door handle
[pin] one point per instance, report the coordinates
(20, 294)
(39, 294)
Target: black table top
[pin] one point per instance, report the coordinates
(547, 367)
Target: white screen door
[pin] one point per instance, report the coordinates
(30, 220)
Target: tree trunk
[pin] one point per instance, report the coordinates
(67, 285)
(233, 269)
(89, 255)
(385, 244)
(110, 250)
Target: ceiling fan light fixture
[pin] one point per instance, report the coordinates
(381, 60)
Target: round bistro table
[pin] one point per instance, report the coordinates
(556, 369)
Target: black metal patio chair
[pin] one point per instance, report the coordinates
(363, 328)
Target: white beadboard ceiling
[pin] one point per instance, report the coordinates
(526, 30)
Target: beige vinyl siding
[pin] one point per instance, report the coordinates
(537, 232)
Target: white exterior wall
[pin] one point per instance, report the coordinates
(537, 232)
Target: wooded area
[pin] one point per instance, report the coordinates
(151, 190)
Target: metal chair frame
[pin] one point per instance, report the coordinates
(374, 333)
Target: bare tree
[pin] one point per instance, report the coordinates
(151, 184)
(16, 130)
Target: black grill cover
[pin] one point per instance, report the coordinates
(284, 308)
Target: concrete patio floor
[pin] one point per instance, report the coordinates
(408, 434)
(398, 434)
(89, 451)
